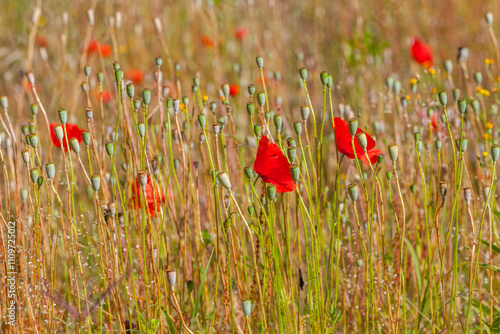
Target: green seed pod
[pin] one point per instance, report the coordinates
(118, 75)
(142, 129)
(86, 138)
(33, 139)
(171, 278)
(278, 123)
(388, 175)
(158, 62)
(251, 89)
(297, 126)
(362, 140)
(478, 77)
(146, 96)
(330, 82)
(246, 305)
(304, 112)
(393, 152)
(170, 103)
(456, 94)
(50, 170)
(225, 90)
(475, 106)
(34, 109)
(224, 180)
(24, 194)
(251, 211)
(462, 106)
(213, 106)
(4, 102)
(109, 148)
(96, 182)
(137, 105)
(413, 188)
(419, 145)
(25, 154)
(443, 98)
(260, 62)
(495, 152)
(100, 77)
(303, 73)
(353, 192)
(116, 66)
(261, 99)
(63, 116)
(353, 126)
(389, 83)
(32, 128)
(25, 130)
(86, 70)
(295, 172)
(438, 145)
(34, 175)
(271, 192)
(489, 18)
(462, 146)
(85, 87)
(39, 181)
(404, 102)
(257, 130)
(185, 100)
(249, 173)
(196, 81)
(250, 108)
(324, 78)
(290, 142)
(397, 87)
(190, 286)
(130, 90)
(448, 66)
(292, 153)
(59, 132)
(202, 120)
(380, 158)
(75, 145)
(416, 136)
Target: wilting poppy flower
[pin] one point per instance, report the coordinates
(207, 41)
(273, 167)
(421, 52)
(152, 195)
(241, 33)
(135, 75)
(98, 47)
(234, 89)
(72, 130)
(344, 145)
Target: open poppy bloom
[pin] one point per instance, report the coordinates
(234, 89)
(96, 47)
(72, 130)
(273, 167)
(344, 144)
(241, 33)
(135, 75)
(152, 196)
(207, 41)
(422, 53)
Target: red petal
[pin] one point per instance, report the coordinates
(343, 138)
(372, 155)
(72, 130)
(152, 196)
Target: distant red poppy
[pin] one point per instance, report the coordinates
(152, 196)
(273, 167)
(234, 89)
(241, 33)
(135, 75)
(41, 41)
(72, 130)
(421, 52)
(434, 122)
(97, 47)
(106, 96)
(344, 144)
(207, 41)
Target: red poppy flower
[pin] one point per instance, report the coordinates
(106, 96)
(234, 89)
(135, 75)
(344, 145)
(72, 130)
(421, 52)
(207, 41)
(241, 33)
(273, 167)
(434, 122)
(98, 47)
(152, 195)
(41, 41)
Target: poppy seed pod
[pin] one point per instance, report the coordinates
(158, 62)
(290, 142)
(404, 101)
(31, 78)
(292, 153)
(4, 102)
(50, 170)
(34, 109)
(142, 177)
(353, 192)
(443, 188)
(397, 87)
(109, 148)
(303, 73)
(86, 70)
(489, 18)
(462, 106)
(304, 112)
(486, 191)
(86, 138)
(95, 180)
(443, 98)
(146, 96)
(63, 116)
(353, 126)
(75, 145)
(362, 141)
(137, 104)
(295, 172)
(24, 194)
(257, 130)
(225, 90)
(462, 146)
(478, 77)
(251, 89)
(59, 132)
(130, 90)
(456, 94)
(202, 120)
(448, 65)
(185, 100)
(142, 129)
(475, 106)
(24, 129)
(278, 123)
(329, 84)
(261, 99)
(324, 78)
(419, 145)
(33, 139)
(388, 175)
(495, 152)
(100, 77)
(246, 305)
(297, 126)
(118, 75)
(171, 278)
(249, 173)
(39, 181)
(216, 127)
(393, 152)
(224, 180)
(34, 175)
(251, 211)
(89, 113)
(260, 62)
(271, 192)
(389, 83)
(467, 195)
(25, 154)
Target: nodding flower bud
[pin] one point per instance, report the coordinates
(246, 305)
(109, 148)
(4, 102)
(141, 127)
(443, 98)
(33, 140)
(304, 112)
(224, 180)
(278, 123)
(146, 96)
(50, 170)
(292, 153)
(353, 192)
(443, 188)
(63, 116)
(438, 145)
(75, 145)
(393, 152)
(118, 75)
(250, 108)
(467, 195)
(26, 156)
(216, 127)
(478, 77)
(171, 278)
(130, 90)
(59, 132)
(202, 120)
(489, 18)
(388, 175)
(353, 126)
(86, 138)
(295, 172)
(475, 106)
(297, 126)
(448, 66)
(251, 89)
(260, 62)
(495, 152)
(462, 106)
(261, 99)
(271, 192)
(249, 173)
(324, 78)
(257, 130)
(34, 175)
(142, 177)
(362, 140)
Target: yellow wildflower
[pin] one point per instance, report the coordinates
(489, 126)
(486, 136)
(205, 98)
(434, 90)
(413, 81)
(432, 71)
(485, 154)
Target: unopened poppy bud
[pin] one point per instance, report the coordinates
(486, 191)
(353, 192)
(304, 112)
(295, 172)
(142, 177)
(495, 152)
(297, 126)
(130, 90)
(389, 82)
(25, 154)
(202, 120)
(31, 78)
(224, 180)
(353, 126)
(216, 127)
(261, 99)
(250, 108)
(292, 153)
(100, 77)
(249, 173)
(324, 78)
(257, 130)
(59, 132)
(4, 102)
(271, 192)
(393, 152)
(478, 77)
(75, 145)
(50, 170)
(86, 138)
(388, 175)
(475, 106)
(63, 116)
(443, 98)
(95, 180)
(251, 89)
(278, 122)
(467, 195)
(260, 62)
(489, 18)
(33, 139)
(456, 94)
(146, 96)
(118, 75)
(362, 140)
(448, 65)
(141, 127)
(246, 305)
(109, 148)
(34, 175)
(171, 278)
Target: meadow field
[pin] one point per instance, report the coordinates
(249, 166)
